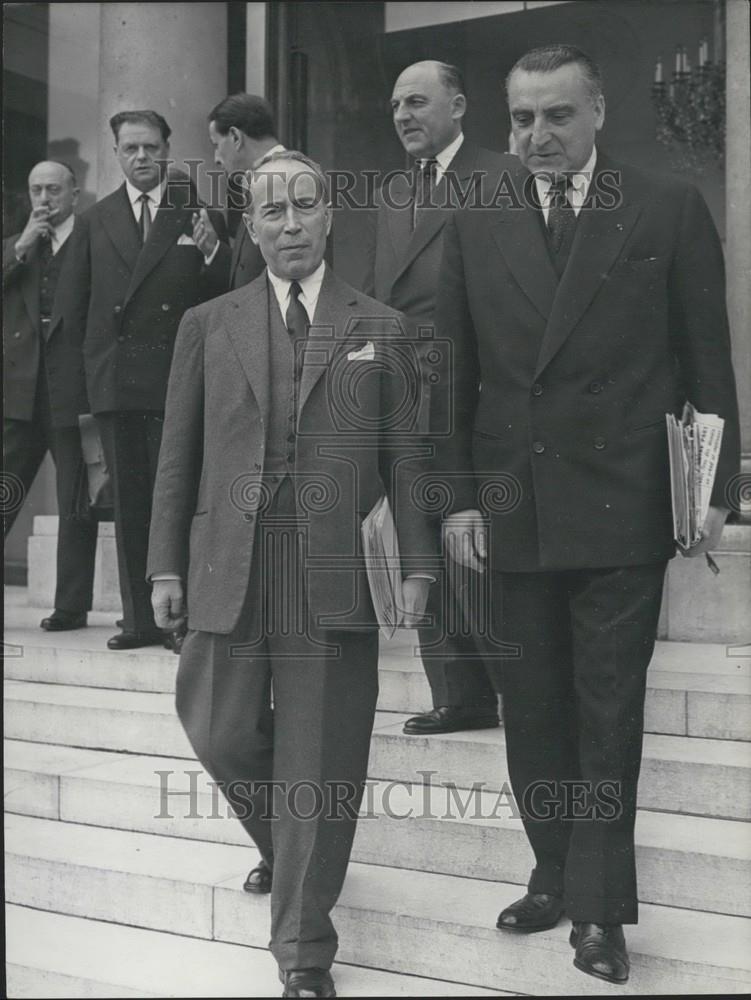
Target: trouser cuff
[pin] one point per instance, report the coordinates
(602, 909)
(304, 955)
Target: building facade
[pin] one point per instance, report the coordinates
(328, 69)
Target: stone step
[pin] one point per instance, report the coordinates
(693, 689)
(679, 774)
(426, 924)
(687, 861)
(87, 958)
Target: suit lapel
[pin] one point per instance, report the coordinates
(237, 250)
(430, 222)
(169, 223)
(247, 328)
(331, 326)
(30, 288)
(399, 221)
(519, 237)
(600, 235)
(120, 224)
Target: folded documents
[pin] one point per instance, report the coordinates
(694, 445)
(383, 565)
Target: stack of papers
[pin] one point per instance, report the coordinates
(694, 444)
(383, 565)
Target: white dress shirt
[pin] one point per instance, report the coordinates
(444, 158)
(577, 194)
(155, 196)
(310, 289)
(61, 233)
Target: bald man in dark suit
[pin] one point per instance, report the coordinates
(428, 105)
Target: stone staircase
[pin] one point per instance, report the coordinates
(120, 884)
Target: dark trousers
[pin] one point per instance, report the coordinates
(573, 709)
(452, 646)
(280, 701)
(25, 443)
(131, 443)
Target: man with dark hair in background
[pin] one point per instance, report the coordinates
(579, 315)
(241, 130)
(43, 383)
(428, 104)
(134, 270)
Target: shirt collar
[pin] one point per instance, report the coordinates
(310, 288)
(446, 155)
(580, 180)
(279, 148)
(155, 194)
(62, 232)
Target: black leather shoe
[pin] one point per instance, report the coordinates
(307, 983)
(133, 640)
(450, 719)
(259, 879)
(537, 911)
(601, 951)
(63, 621)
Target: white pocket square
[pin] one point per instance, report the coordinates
(186, 241)
(366, 353)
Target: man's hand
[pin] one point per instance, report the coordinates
(710, 536)
(415, 593)
(167, 603)
(204, 234)
(465, 535)
(38, 226)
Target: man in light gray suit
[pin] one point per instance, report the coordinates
(268, 465)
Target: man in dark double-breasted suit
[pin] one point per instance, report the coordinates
(583, 308)
(43, 384)
(134, 270)
(428, 106)
(291, 410)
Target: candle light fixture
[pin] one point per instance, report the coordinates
(690, 107)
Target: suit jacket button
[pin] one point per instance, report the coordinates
(17, 334)
(537, 389)
(165, 307)
(595, 387)
(118, 309)
(248, 517)
(538, 447)
(600, 443)
(257, 467)
(120, 339)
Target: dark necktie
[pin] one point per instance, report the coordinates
(561, 215)
(45, 250)
(424, 181)
(296, 318)
(144, 223)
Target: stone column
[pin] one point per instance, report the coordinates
(738, 239)
(170, 57)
